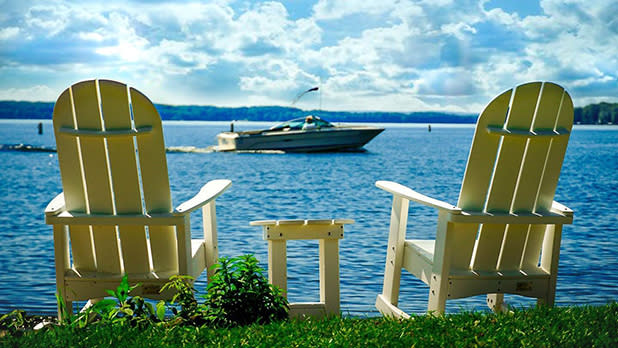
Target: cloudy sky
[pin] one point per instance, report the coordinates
(390, 55)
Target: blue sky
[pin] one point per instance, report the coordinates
(388, 55)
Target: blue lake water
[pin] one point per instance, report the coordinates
(329, 185)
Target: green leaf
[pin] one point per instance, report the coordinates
(161, 310)
(122, 292)
(104, 306)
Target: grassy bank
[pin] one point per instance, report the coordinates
(539, 327)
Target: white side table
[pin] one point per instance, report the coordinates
(328, 232)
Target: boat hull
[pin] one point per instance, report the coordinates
(347, 138)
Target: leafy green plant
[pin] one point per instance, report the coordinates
(123, 310)
(185, 297)
(132, 310)
(239, 294)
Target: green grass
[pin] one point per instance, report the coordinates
(586, 326)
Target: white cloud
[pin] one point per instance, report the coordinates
(9, 33)
(129, 48)
(34, 93)
(335, 9)
(381, 55)
(47, 19)
(91, 36)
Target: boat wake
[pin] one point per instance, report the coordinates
(275, 152)
(190, 149)
(26, 148)
(42, 148)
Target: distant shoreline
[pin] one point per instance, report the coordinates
(594, 114)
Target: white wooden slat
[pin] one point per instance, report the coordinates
(482, 155)
(532, 250)
(72, 181)
(536, 152)
(512, 248)
(464, 238)
(125, 179)
(153, 164)
(556, 156)
(511, 154)
(506, 173)
(96, 174)
(477, 176)
(519, 236)
(68, 154)
(553, 164)
(529, 182)
(155, 182)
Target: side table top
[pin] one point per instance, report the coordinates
(302, 222)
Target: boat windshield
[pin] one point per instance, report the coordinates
(298, 123)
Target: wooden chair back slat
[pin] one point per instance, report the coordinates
(96, 175)
(69, 161)
(155, 182)
(125, 175)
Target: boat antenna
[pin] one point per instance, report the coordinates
(303, 93)
(320, 94)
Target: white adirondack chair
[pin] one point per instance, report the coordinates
(504, 234)
(115, 214)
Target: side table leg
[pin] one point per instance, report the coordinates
(329, 275)
(277, 264)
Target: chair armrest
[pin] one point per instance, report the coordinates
(56, 205)
(208, 192)
(407, 193)
(561, 209)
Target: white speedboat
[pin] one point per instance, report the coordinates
(309, 134)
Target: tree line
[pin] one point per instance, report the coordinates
(601, 113)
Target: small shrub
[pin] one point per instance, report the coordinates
(239, 294)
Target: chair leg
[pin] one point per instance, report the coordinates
(549, 261)
(395, 249)
(439, 282)
(496, 303)
(437, 298)
(388, 309)
(62, 263)
(548, 299)
(64, 308)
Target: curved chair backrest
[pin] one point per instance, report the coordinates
(112, 161)
(513, 166)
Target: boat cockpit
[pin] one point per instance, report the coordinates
(300, 124)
